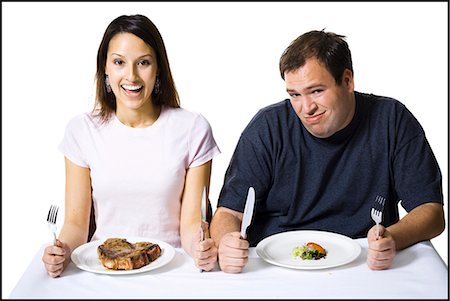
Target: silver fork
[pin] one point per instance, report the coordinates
(377, 212)
(51, 220)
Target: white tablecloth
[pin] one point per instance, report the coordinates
(417, 273)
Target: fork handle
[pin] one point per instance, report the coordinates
(378, 231)
(54, 238)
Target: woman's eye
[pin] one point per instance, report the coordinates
(144, 62)
(118, 62)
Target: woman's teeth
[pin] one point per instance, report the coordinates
(131, 87)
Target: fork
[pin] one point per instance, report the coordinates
(377, 212)
(51, 220)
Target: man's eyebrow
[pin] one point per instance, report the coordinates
(314, 86)
(308, 88)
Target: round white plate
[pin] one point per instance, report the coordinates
(85, 257)
(277, 249)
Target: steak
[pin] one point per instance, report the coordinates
(119, 254)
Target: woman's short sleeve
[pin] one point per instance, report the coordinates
(202, 146)
(71, 144)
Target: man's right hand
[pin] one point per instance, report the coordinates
(233, 253)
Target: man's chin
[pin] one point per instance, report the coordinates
(319, 133)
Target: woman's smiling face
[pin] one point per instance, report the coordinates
(131, 67)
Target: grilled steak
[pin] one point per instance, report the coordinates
(119, 254)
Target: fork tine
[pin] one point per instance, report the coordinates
(49, 212)
(56, 214)
(379, 203)
(52, 214)
(377, 212)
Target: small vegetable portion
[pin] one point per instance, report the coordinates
(310, 251)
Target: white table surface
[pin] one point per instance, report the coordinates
(418, 272)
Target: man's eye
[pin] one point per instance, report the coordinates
(317, 91)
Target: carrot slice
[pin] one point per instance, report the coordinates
(316, 247)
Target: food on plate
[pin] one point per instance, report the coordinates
(310, 251)
(119, 254)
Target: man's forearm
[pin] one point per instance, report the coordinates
(223, 222)
(422, 223)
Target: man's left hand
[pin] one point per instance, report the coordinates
(381, 252)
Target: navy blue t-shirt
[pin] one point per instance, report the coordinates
(307, 183)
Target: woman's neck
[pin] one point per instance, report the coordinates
(140, 118)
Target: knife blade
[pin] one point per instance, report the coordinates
(203, 212)
(248, 212)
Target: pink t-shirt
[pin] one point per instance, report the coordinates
(137, 174)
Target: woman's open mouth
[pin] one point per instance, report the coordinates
(132, 88)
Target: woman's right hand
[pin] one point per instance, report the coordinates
(54, 258)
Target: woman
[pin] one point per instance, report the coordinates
(138, 158)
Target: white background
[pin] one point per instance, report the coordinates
(224, 59)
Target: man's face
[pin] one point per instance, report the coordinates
(323, 106)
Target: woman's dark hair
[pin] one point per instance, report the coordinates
(143, 28)
(330, 49)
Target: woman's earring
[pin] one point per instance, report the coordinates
(157, 86)
(108, 86)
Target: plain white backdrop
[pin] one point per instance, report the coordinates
(224, 59)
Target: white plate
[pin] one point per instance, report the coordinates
(85, 257)
(277, 249)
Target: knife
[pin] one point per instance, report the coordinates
(203, 214)
(248, 212)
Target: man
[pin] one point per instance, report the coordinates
(318, 160)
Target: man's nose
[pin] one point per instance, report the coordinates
(309, 105)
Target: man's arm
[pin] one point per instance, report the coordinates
(225, 231)
(422, 223)
(225, 221)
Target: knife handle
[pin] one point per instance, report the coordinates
(202, 238)
(202, 234)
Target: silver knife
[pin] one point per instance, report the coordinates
(248, 212)
(203, 212)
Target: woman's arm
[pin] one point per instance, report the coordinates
(77, 206)
(76, 219)
(204, 253)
